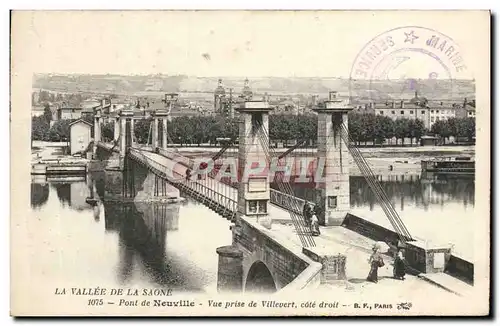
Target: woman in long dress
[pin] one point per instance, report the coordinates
(399, 266)
(375, 262)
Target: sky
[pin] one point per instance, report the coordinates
(234, 43)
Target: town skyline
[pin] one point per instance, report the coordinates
(140, 85)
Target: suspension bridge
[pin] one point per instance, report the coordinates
(262, 255)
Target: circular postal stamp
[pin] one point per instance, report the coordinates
(410, 54)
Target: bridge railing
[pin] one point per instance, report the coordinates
(277, 197)
(308, 278)
(186, 161)
(177, 177)
(286, 201)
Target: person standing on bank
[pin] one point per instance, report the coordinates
(399, 266)
(307, 212)
(375, 262)
(314, 225)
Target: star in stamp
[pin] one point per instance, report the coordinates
(409, 54)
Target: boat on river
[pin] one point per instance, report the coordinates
(450, 165)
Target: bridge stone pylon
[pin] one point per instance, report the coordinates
(126, 134)
(159, 141)
(97, 125)
(116, 124)
(253, 188)
(333, 156)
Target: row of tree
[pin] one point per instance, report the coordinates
(363, 128)
(455, 127)
(58, 131)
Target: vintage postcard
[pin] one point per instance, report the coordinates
(250, 163)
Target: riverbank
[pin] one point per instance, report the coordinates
(382, 160)
(367, 152)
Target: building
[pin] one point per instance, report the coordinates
(66, 112)
(87, 108)
(428, 140)
(400, 110)
(37, 110)
(467, 109)
(246, 93)
(219, 95)
(80, 135)
(440, 111)
(416, 108)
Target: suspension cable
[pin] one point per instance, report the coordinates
(284, 187)
(386, 205)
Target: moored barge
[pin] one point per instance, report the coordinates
(450, 165)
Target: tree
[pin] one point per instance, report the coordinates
(383, 128)
(417, 130)
(47, 113)
(441, 128)
(307, 126)
(452, 125)
(142, 130)
(282, 127)
(60, 131)
(400, 129)
(108, 131)
(355, 127)
(39, 128)
(466, 128)
(367, 127)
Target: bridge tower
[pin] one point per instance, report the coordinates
(126, 132)
(116, 123)
(97, 130)
(160, 141)
(253, 188)
(333, 157)
(97, 125)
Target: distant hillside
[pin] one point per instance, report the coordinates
(362, 89)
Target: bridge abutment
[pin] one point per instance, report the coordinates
(230, 269)
(333, 157)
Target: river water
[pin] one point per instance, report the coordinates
(173, 245)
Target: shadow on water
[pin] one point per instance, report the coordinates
(39, 194)
(63, 191)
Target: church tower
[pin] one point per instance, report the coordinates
(219, 95)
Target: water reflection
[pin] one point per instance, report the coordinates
(136, 234)
(39, 194)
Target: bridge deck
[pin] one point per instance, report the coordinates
(357, 249)
(276, 212)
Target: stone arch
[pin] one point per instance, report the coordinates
(260, 279)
